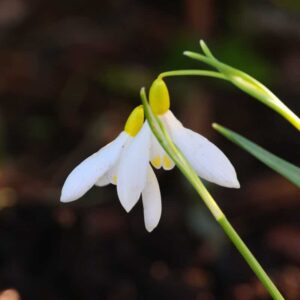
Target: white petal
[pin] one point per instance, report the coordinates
(151, 201)
(111, 176)
(170, 121)
(207, 159)
(103, 181)
(132, 173)
(86, 174)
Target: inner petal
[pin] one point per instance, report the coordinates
(158, 157)
(168, 163)
(111, 176)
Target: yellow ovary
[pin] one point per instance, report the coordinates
(135, 121)
(159, 97)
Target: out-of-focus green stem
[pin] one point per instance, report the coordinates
(246, 83)
(181, 162)
(192, 73)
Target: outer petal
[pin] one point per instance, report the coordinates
(85, 175)
(132, 173)
(207, 159)
(151, 201)
(111, 176)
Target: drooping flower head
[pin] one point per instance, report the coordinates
(208, 160)
(125, 163)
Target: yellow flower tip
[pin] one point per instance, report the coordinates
(135, 121)
(215, 126)
(159, 97)
(156, 162)
(115, 180)
(167, 163)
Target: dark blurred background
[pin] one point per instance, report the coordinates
(70, 72)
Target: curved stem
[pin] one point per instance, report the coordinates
(192, 73)
(181, 162)
(243, 81)
(246, 83)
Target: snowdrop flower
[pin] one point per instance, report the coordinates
(208, 160)
(125, 163)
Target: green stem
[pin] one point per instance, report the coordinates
(250, 259)
(248, 84)
(192, 73)
(181, 162)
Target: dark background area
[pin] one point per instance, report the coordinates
(70, 72)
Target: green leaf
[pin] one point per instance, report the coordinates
(279, 165)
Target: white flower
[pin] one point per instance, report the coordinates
(208, 160)
(124, 162)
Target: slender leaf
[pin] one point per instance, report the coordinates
(279, 165)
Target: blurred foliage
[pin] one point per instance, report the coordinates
(292, 5)
(240, 53)
(127, 79)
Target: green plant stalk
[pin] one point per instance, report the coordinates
(250, 259)
(181, 162)
(192, 73)
(247, 84)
